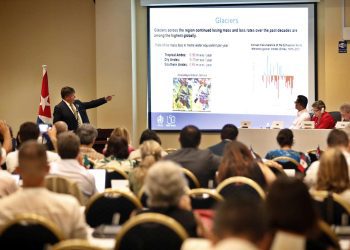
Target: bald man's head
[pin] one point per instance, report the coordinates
(61, 127)
(33, 165)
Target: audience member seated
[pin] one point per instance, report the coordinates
(61, 209)
(336, 139)
(123, 132)
(202, 163)
(27, 131)
(239, 223)
(51, 135)
(303, 114)
(229, 132)
(285, 140)
(345, 112)
(151, 152)
(87, 135)
(6, 140)
(70, 165)
(116, 156)
(333, 174)
(145, 136)
(165, 187)
(291, 215)
(239, 161)
(8, 184)
(321, 118)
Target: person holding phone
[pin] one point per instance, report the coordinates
(322, 119)
(72, 111)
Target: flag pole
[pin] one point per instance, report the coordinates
(44, 69)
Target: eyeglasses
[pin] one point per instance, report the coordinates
(315, 110)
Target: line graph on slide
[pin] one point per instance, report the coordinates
(274, 76)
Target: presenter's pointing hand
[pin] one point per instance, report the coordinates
(108, 98)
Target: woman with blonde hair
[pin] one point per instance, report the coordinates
(333, 173)
(151, 152)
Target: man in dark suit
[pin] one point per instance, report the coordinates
(73, 112)
(229, 132)
(202, 163)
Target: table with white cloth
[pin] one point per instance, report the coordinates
(263, 140)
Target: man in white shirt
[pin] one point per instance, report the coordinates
(7, 140)
(70, 165)
(303, 114)
(27, 131)
(336, 138)
(61, 209)
(8, 184)
(239, 224)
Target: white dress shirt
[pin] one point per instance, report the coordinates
(288, 241)
(8, 184)
(71, 169)
(75, 112)
(302, 115)
(3, 156)
(12, 159)
(61, 209)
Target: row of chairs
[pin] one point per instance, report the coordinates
(34, 232)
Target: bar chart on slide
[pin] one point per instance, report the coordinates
(275, 77)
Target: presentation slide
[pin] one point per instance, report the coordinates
(209, 66)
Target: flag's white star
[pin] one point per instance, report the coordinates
(44, 102)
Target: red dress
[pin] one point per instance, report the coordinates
(326, 121)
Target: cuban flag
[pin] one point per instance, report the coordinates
(44, 114)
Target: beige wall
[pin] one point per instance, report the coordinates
(98, 61)
(335, 79)
(113, 62)
(60, 34)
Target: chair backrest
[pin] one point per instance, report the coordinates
(313, 154)
(336, 115)
(202, 198)
(170, 150)
(29, 231)
(290, 163)
(332, 208)
(101, 208)
(75, 244)
(193, 181)
(142, 196)
(114, 174)
(63, 185)
(327, 237)
(276, 170)
(151, 231)
(239, 184)
(287, 162)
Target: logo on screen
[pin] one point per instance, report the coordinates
(170, 121)
(160, 120)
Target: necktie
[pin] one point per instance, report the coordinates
(76, 114)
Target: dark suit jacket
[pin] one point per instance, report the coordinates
(218, 149)
(202, 163)
(63, 113)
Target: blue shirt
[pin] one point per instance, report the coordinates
(287, 153)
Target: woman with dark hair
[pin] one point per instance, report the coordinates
(238, 160)
(285, 139)
(116, 155)
(292, 218)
